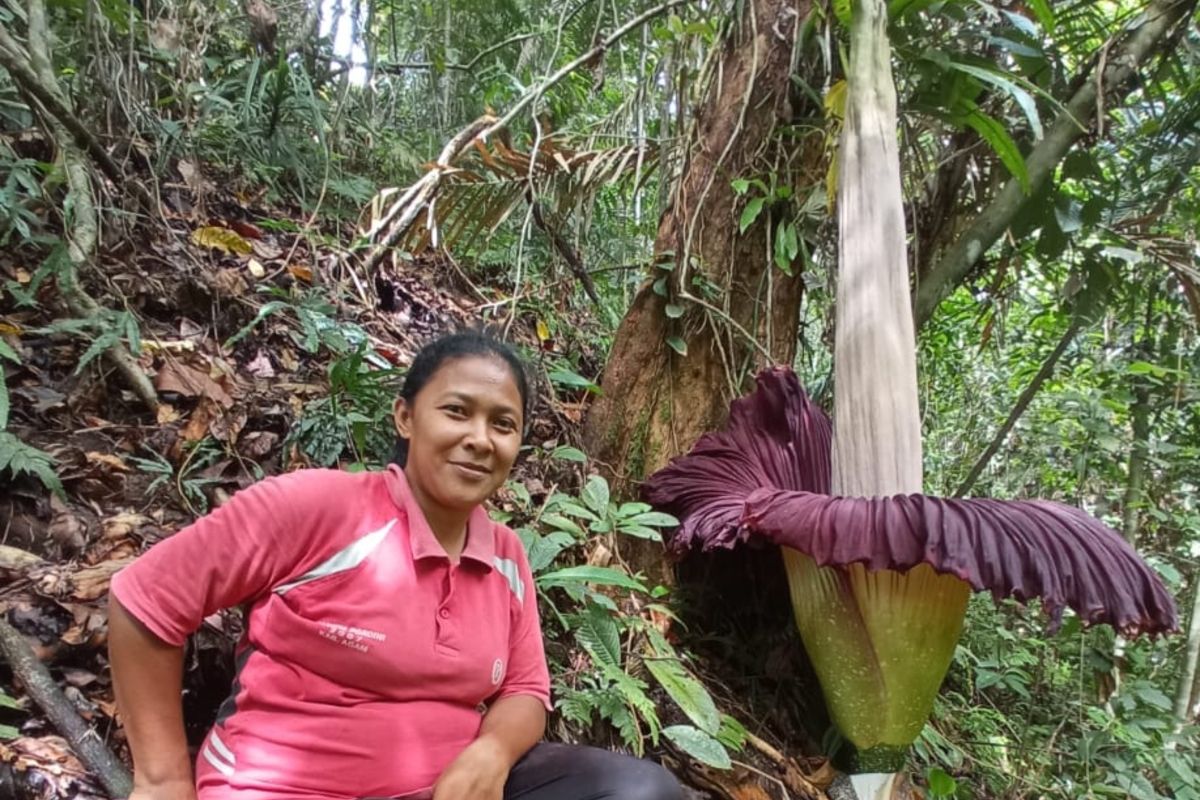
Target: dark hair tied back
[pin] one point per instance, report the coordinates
(465, 344)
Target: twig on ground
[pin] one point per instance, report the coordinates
(41, 687)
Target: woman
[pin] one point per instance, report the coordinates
(392, 646)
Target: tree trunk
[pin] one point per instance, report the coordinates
(1184, 704)
(656, 402)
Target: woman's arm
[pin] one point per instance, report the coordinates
(147, 678)
(512, 725)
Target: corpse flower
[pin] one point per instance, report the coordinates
(880, 574)
(879, 585)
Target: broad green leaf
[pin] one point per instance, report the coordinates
(599, 635)
(573, 379)
(699, 745)
(569, 454)
(563, 524)
(678, 345)
(1044, 14)
(655, 519)
(595, 495)
(1023, 98)
(940, 784)
(740, 185)
(687, 692)
(750, 213)
(603, 576)
(674, 311)
(7, 702)
(995, 135)
(8, 352)
(8, 732)
(1154, 697)
(632, 509)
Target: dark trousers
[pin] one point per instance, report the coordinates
(552, 771)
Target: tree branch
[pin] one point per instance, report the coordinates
(17, 62)
(405, 209)
(564, 248)
(83, 739)
(1023, 402)
(1154, 27)
(80, 230)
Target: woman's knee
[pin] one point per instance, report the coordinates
(644, 780)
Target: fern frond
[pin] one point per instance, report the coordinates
(18, 457)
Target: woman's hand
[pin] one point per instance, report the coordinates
(479, 773)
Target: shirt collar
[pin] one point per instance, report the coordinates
(481, 535)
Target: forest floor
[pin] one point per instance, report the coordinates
(244, 310)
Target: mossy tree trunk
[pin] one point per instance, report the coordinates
(739, 311)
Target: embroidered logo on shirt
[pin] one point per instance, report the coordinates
(360, 639)
(497, 672)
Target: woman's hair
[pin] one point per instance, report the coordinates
(466, 344)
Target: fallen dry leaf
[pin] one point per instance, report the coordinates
(16, 561)
(108, 460)
(229, 283)
(197, 424)
(166, 414)
(223, 239)
(228, 426)
(258, 444)
(300, 272)
(123, 525)
(67, 530)
(260, 366)
(91, 583)
(175, 376)
(256, 268)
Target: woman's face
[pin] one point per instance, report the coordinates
(463, 430)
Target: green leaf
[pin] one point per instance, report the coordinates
(8, 352)
(699, 745)
(98, 346)
(1044, 14)
(1067, 214)
(940, 784)
(599, 635)
(8, 702)
(1023, 98)
(573, 379)
(603, 576)
(674, 311)
(995, 135)
(687, 692)
(1154, 697)
(570, 454)
(8, 732)
(595, 495)
(655, 519)
(677, 344)
(264, 312)
(750, 213)
(740, 185)
(3, 400)
(563, 524)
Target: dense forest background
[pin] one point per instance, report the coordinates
(225, 228)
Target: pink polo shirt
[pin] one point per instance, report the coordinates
(368, 657)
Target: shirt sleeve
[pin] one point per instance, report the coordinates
(527, 673)
(255, 541)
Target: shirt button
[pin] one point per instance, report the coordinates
(444, 613)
